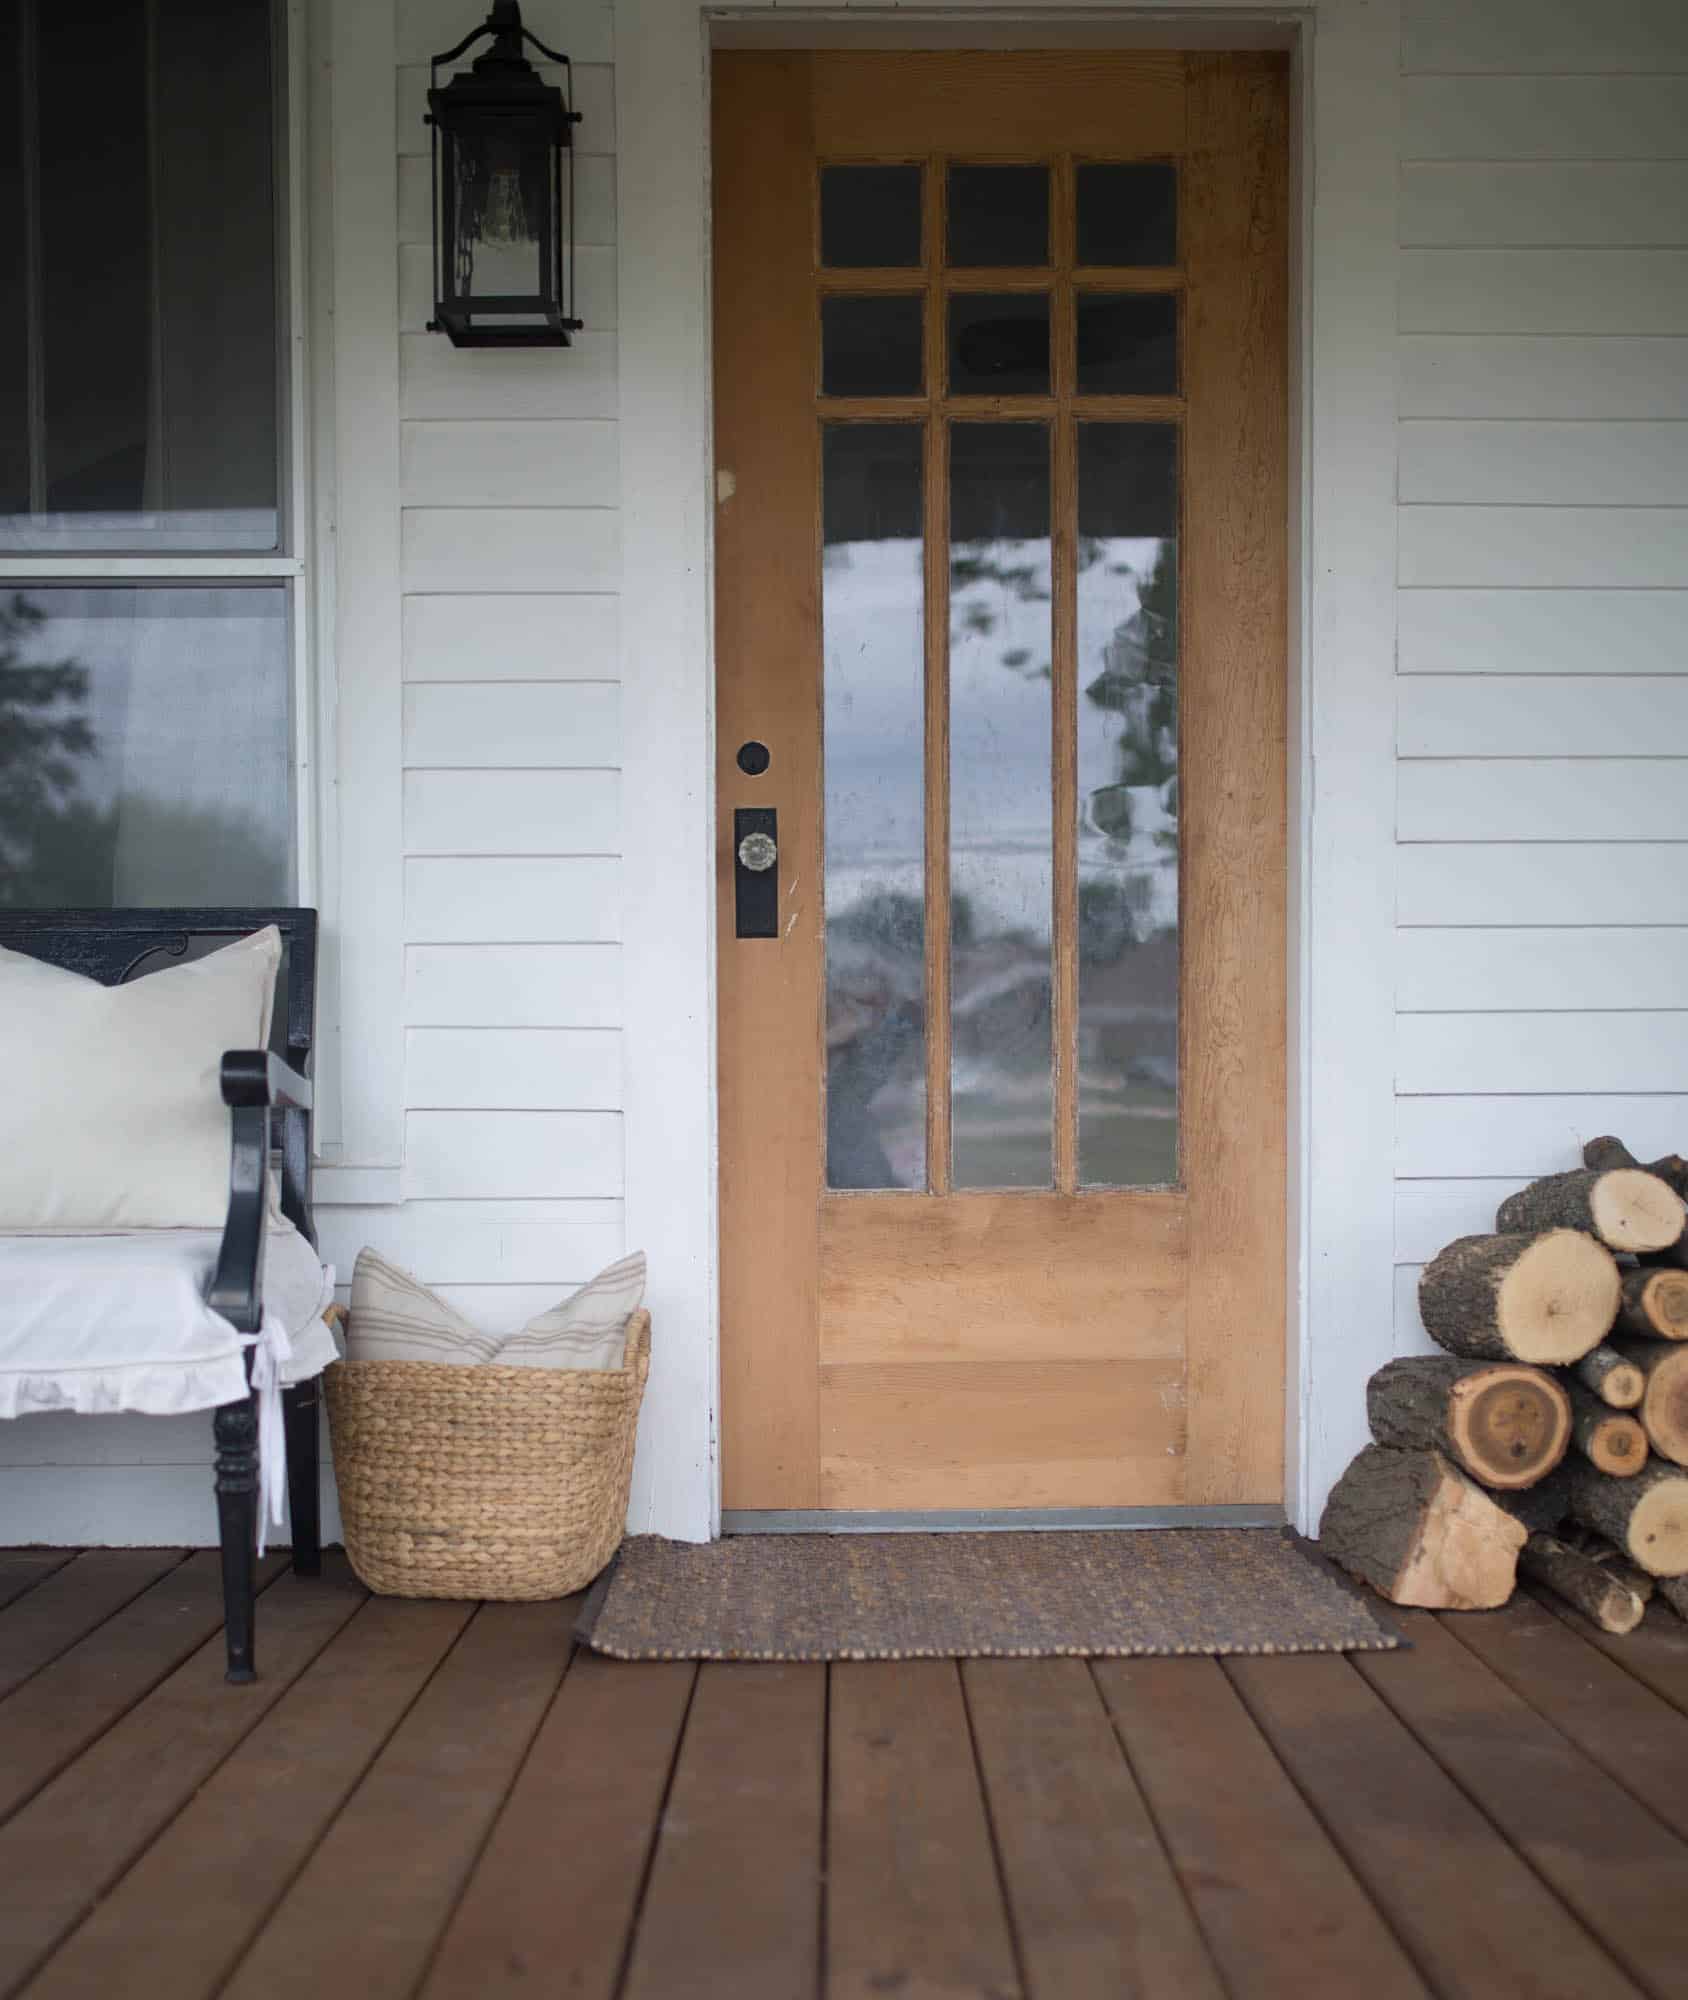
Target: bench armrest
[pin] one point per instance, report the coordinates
(256, 1084)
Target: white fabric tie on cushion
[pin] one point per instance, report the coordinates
(270, 1349)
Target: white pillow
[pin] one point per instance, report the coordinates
(112, 1116)
(394, 1317)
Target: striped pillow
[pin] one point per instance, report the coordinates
(586, 1331)
(394, 1317)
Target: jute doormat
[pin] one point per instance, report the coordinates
(967, 1596)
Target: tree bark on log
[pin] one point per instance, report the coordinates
(1606, 1152)
(1505, 1424)
(1413, 1526)
(1544, 1507)
(1663, 1408)
(1599, 1550)
(1596, 1592)
(1674, 1591)
(1655, 1303)
(1628, 1208)
(1546, 1298)
(1645, 1518)
(1609, 1439)
(1617, 1382)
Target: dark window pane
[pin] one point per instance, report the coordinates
(1127, 344)
(999, 344)
(1127, 804)
(144, 747)
(870, 216)
(871, 346)
(1128, 214)
(998, 215)
(146, 261)
(14, 328)
(872, 617)
(1001, 819)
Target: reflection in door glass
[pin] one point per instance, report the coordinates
(1127, 804)
(872, 612)
(1000, 812)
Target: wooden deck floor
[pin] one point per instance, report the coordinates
(435, 1799)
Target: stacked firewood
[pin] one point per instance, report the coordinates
(1552, 1436)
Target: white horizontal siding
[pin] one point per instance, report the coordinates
(1429, 1215)
(1586, 463)
(512, 899)
(439, 380)
(1543, 799)
(1543, 118)
(1470, 1054)
(1540, 968)
(513, 1069)
(457, 464)
(1522, 1135)
(558, 1244)
(1543, 632)
(1533, 715)
(1545, 37)
(565, 725)
(510, 548)
(534, 637)
(1530, 882)
(1515, 204)
(1504, 375)
(1563, 547)
(1543, 291)
(512, 812)
(1410, 1336)
(486, 1155)
(513, 986)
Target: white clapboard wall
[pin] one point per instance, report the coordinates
(1542, 810)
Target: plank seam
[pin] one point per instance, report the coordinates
(1003, 1896)
(1619, 1656)
(99, 1624)
(1631, 1971)
(623, 1971)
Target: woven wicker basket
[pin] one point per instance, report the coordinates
(484, 1481)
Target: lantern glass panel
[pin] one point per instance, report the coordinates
(501, 229)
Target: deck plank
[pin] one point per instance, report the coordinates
(1656, 1652)
(73, 1601)
(1419, 1846)
(73, 1699)
(1605, 1855)
(913, 1904)
(1608, 1714)
(745, 1807)
(1096, 1905)
(22, 1569)
(75, 1838)
(189, 1905)
(558, 1883)
(1278, 1904)
(369, 1905)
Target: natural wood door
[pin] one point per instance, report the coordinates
(1000, 400)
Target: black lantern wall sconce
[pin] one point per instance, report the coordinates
(503, 193)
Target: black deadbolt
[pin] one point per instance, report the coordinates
(753, 758)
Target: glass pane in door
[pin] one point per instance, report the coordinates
(872, 622)
(1127, 804)
(1001, 872)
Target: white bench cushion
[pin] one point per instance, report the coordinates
(119, 1322)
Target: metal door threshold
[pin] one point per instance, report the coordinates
(976, 1520)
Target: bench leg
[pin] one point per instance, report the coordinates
(304, 1493)
(235, 1429)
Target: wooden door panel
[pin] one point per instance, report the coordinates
(1083, 1347)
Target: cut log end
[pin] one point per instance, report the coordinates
(1615, 1444)
(1546, 1298)
(1663, 1408)
(1635, 1210)
(1655, 1303)
(1646, 1517)
(1512, 1425)
(1618, 1383)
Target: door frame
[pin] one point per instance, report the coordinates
(1344, 152)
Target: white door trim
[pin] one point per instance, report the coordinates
(1342, 779)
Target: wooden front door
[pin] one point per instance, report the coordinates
(1000, 401)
